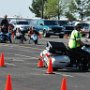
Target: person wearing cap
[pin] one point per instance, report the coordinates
(75, 38)
(75, 43)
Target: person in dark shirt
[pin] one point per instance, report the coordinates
(4, 24)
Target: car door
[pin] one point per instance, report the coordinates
(40, 25)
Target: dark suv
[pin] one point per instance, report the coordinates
(47, 27)
(68, 27)
(85, 26)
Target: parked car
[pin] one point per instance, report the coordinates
(68, 27)
(85, 26)
(47, 27)
(22, 24)
(63, 22)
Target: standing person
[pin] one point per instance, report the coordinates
(30, 32)
(75, 43)
(4, 24)
(1, 35)
(75, 38)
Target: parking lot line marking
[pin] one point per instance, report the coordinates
(64, 74)
(18, 60)
(31, 48)
(26, 56)
(28, 47)
(4, 45)
(31, 63)
(9, 45)
(10, 64)
(82, 75)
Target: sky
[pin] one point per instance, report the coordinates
(15, 8)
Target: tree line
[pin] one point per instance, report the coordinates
(71, 9)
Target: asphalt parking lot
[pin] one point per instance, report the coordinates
(21, 63)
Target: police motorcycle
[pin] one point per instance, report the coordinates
(59, 54)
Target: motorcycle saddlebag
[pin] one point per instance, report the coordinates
(56, 47)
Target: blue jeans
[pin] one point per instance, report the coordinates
(9, 37)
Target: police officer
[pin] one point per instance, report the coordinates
(75, 43)
(75, 38)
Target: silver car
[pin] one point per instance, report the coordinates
(22, 24)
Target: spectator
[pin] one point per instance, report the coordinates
(1, 34)
(4, 24)
(9, 34)
(33, 35)
(19, 35)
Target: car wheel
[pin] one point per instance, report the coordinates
(83, 67)
(60, 36)
(45, 34)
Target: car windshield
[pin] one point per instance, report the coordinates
(84, 25)
(22, 22)
(63, 23)
(50, 22)
(69, 27)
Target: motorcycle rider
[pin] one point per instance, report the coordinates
(75, 43)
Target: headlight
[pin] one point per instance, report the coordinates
(49, 28)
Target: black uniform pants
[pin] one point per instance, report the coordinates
(76, 54)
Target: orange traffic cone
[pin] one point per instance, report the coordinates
(50, 67)
(2, 63)
(8, 85)
(40, 63)
(63, 85)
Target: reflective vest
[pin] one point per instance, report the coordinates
(75, 35)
